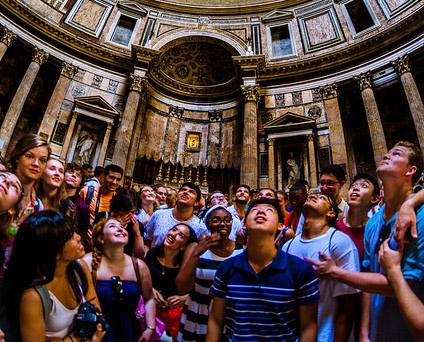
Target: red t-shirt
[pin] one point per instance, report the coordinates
(356, 234)
(292, 219)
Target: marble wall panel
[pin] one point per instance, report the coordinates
(320, 29)
(270, 101)
(307, 96)
(214, 144)
(152, 135)
(89, 14)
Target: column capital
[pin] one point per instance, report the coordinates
(271, 141)
(250, 93)
(68, 70)
(7, 37)
(364, 80)
(401, 65)
(329, 91)
(39, 56)
(109, 126)
(74, 115)
(310, 137)
(138, 83)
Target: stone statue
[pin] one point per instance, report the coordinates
(293, 171)
(86, 146)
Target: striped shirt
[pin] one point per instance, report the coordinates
(194, 320)
(264, 306)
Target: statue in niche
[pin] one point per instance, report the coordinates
(293, 171)
(85, 146)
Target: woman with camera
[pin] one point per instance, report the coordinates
(45, 285)
(116, 277)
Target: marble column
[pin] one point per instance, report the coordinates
(135, 140)
(125, 130)
(271, 164)
(378, 139)
(415, 102)
(39, 57)
(312, 161)
(279, 168)
(105, 144)
(7, 38)
(53, 108)
(249, 158)
(68, 136)
(335, 126)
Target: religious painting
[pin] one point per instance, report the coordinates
(59, 133)
(193, 141)
(87, 145)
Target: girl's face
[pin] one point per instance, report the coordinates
(114, 233)
(31, 164)
(220, 221)
(54, 173)
(73, 178)
(177, 237)
(10, 190)
(73, 249)
(147, 194)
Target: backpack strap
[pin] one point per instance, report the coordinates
(137, 272)
(46, 301)
(90, 194)
(331, 239)
(290, 242)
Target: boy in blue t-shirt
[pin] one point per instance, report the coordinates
(264, 294)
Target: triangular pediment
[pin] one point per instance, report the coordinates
(289, 121)
(278, 15)
(96, 104)
(132, 7)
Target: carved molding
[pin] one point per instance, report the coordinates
(250, 93)
(138, 83)
(39, 56)
(401, 65)
(68, 70)
(329, 91)
(215, 115)
(364, 80)
(7, 37)
(176, 112)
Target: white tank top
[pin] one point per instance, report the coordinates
(60, 319)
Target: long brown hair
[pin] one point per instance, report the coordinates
(24, 144)
(97, 250)
(61, 193)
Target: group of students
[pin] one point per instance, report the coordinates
(269, 267)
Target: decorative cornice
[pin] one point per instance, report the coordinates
(142, 54)
(364, 80)
(329, 91)
(68, 70)
(347, 55)
(81, 47)
(39, 56)
(138, 83)
(250, 93)
(401, 65)
(7, 37)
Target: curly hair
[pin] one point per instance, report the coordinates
(97, 250)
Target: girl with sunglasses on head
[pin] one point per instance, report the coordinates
(164, 263)
(45, 285)
(198, 270)
(147, 204)
(120, 280)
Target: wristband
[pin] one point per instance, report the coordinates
(151, 328)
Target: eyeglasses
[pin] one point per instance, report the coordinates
(383, 236)
(216, 220)
(116, 284)
(328, 183)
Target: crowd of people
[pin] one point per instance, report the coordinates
(82, 258)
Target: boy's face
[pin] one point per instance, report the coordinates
(395, 163)
(361, 194)
(320, 204)
(329, 184)
(262, 217)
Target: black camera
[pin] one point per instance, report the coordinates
(86, 320)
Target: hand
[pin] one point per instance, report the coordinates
(206, 242)
(146, 336)
(135, 224)
(326, 267)
(176, 301)
(388, 258)
(99, 334)
(2, 337)
(406, 219)
(159, 300)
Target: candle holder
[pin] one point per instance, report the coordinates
(159, 176)
(168, 174)
(175, 179)
(205, 177)
(189, 173)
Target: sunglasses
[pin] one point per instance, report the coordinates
(116, 284)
